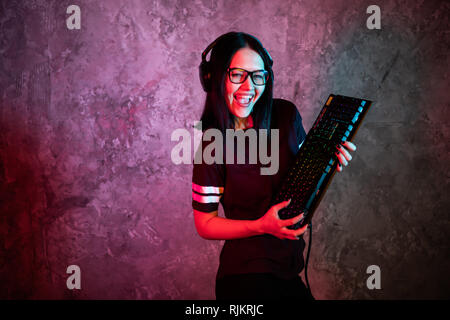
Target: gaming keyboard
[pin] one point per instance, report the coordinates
(316, 161)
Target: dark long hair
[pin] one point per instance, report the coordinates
(216, 113)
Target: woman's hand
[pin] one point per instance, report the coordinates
(343, 155)
(272, 224)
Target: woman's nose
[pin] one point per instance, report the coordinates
(247, 84)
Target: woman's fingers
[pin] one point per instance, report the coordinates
(301, 231)
(283, 231)
(294, 234)
(341, 158)
(287, 234)
(349, 145)
(292, 221)
(279, 228)
(343, 155)
(277, 207)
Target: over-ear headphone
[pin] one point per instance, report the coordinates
(205, 66)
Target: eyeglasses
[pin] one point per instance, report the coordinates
(238, 75)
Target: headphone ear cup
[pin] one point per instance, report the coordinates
(205, 76)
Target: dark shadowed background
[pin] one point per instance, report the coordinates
(86, 118)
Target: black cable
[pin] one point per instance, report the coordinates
(307, 258)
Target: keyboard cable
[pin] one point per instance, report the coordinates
(307, 259)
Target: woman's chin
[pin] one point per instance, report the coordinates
(241, 112)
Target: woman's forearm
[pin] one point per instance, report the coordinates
(211, 226)
(218, 228)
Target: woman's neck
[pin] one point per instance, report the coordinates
(243, 123)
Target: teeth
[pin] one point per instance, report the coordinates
(244, 99)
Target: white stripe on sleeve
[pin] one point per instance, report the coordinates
(201, 189)
(205, 199)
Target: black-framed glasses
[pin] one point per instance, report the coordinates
(239, 75)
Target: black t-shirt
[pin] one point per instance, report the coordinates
(246, 194)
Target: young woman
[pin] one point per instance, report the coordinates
(261, 257)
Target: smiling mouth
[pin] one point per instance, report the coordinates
(243, 99)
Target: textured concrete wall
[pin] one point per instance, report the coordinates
(86, 118)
